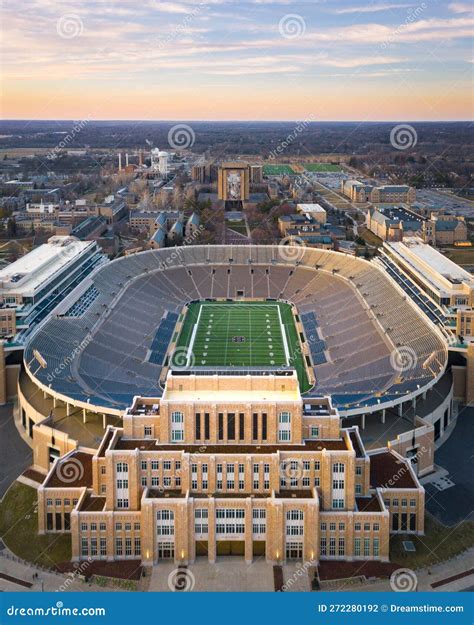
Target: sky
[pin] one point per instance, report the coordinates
(233, 60)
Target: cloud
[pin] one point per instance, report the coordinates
(460, 7)
(371, 8)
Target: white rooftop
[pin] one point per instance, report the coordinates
(424, 257)
(310, 208)
(26, 274)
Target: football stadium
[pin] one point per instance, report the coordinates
(187, 402)
(337, 320)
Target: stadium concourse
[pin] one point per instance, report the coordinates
(363, 341)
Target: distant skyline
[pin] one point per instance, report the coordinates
(258, 60)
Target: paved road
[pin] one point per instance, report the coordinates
(15, 454)
(455, 504)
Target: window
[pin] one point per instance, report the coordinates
(118, 527)
(84, 527)
(221, 426)
(366, 527)
(167, 482)
(284, 426)
(341, 547)
(122, 467)
(201, 521)
(358, 489)
(366, 547)
(358, 470)
(167, 465)
(306, 465)
(332, 546)
(357, 527)
(338, 467)
(231, 426)
(128, 546)
(165, 523)
(342, 527)
(93, 527)
(84, 547)
(376, 549)
(376, 527)
(317, 465)
(144, 465)
(103, 546)
(177, 427)
(264, 426)
(332, 527)
(404, 503)
(49, 502)
(317, 482)
(206, 426)
(138, 546)
(314, 431)
(118, 547)
(147, 430)
(197, 426)
(122, 503)
(103, 470)
(255, 426)
(323, 547)
(357, 546)
(93, 546)
(323, 527)
(144, 481)
(338, 503)
(412, 503)
(241, 426)
(102, 527)
(155, 481)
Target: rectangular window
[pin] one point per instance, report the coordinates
(155, 465)
(198, 426)
(84, 547)
(49, 521)
(231, 426)
(143, 465)
(323, 547)
(314, 432)
(207, 434)
(376, 547)
(341, 547)
(241, 426)
(357, 546)
(103, 546)
(412, 522)
(366, 547)
(221, 426)
(118, 547)
(255, 426)
(264, 426)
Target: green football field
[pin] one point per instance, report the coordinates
(321, 167)
(278, 170)
(240, 334)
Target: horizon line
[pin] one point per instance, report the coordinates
(244, 121)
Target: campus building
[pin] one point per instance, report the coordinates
(199, 472)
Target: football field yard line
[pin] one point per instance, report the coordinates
(193, 337)
(283, 334)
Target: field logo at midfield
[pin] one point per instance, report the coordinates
(291, 249)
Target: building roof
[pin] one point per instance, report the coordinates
(43, 263)
(71, 471)
(388, 471)
(311, 208)
(446, 226)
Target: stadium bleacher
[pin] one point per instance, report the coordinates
(121, 326)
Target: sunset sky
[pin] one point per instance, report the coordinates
(227, 59)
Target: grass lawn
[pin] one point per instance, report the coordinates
(278, 170)
(460, 256)
(321, 167)
(241, 334)
(238, 226)
(369, 237)
(440, 543)
(19, 529)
